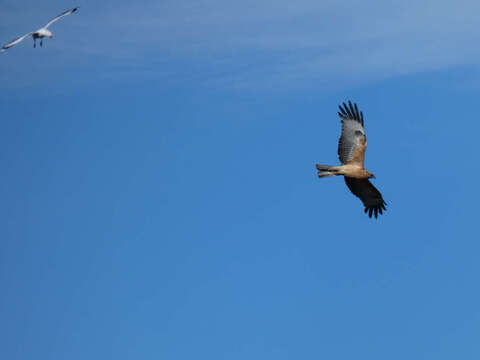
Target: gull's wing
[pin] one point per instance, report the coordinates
(370, 196)
(65, 13)
(15, 41)
(352, 143)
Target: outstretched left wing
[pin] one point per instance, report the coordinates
(15, 41)
(352, 142)
(65, 13)
(370, 196)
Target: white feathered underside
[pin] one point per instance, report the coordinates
(352, 131)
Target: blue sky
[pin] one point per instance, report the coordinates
(159, 196)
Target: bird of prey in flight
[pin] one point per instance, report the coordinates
(351, 151)
(40, 33)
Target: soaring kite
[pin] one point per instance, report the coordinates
(40, 33)
(351, 151)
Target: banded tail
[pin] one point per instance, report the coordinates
(327, 171)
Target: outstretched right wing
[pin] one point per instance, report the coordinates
(370, 196)
(65, 13)
(15, 42)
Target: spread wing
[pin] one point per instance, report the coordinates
(370, 196)
(15, 41)
(352, 143)
(65, 13)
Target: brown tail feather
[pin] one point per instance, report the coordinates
(326, 171)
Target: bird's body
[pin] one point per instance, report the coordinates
(351, 151)
(350, 170)
(40, 33)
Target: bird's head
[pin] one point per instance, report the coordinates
(49, 34)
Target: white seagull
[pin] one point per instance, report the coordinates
(40, 33)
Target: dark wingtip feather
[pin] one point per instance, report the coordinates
(375, 210)
(347, 110)
(350, 111)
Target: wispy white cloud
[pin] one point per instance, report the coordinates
(259, 43)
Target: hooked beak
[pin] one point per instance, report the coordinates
(373, 176)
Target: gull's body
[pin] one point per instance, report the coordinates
(40, 33)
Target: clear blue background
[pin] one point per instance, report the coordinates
(158, 192)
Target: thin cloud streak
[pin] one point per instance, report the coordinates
(285, 43)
